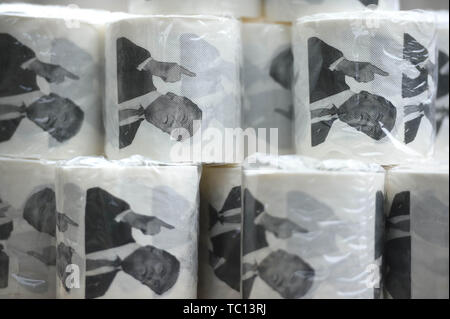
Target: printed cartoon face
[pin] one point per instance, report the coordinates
(171, 112)
(60, 117)
(40, 211)
(288, 274)
(368, 113)
(153, 267)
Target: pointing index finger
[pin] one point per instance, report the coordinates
(187, 72)
(379, 71)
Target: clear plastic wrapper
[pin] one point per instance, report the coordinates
(173, 87)
(318, 234)
(220, 233)
(267, 80)
(237, 8)
(110, 5)
(51, 84)
(27, 229)
(132, 230)
(442, 99)
(290, 10)
(416, 251)
(365, 86)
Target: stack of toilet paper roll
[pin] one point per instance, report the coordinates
(290, 10)
(267, 80)
(237, 8)
(442, 99)
(416, 252)
(27, 229)
(51, 82)
(133, 229)
(220, 233)
(173, 87)
(318, 234)
(365, 86)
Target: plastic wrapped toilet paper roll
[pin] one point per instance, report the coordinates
(220, 233)
(133, 230)
(318, 234)
(110, 5)
(290, 10)
(442, 99)
(172, 87)
(27, 229)
(267, 76)
(237, 8)
(365, 86)
(416, 251)
(51, 82)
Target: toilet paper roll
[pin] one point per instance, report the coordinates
(365, 86)
(220, 233)
(442, 100)
(237, 8)
(416, 252)
(133, 231)
(290, 10)
(52, 81)
(317, 235)
(27, 229)
(172, 83)
(111, 5)
(267, 76)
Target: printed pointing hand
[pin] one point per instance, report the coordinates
(362, 72)
(174, 73)
(150, 225)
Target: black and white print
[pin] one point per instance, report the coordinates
(60, 117)
(287, 274)
(172, 114)
(225, 255)
(368, 113)
(109, 224)
(442, 110)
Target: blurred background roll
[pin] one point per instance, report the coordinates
(27, 229)
(318, 234)
(442, 99)
(416, 252)
(365, 86)
(290, 10)
(236, 8)
(133, 232)
(220, 233)
(267, 80)
(165, 77)
(51, 86)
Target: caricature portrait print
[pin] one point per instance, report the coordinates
(132, 242)
(364, 103)
(168, 81)
(50, 84)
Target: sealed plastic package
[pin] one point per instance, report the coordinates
(133, 231)
(27, 229)
(318, 234)
(416, 252)
(267, 80)
(110, 5)
(237, 8)
(365, 86)
(173, 87)
(220, 233)
(51, 84)
(442, 99)
(290, 10)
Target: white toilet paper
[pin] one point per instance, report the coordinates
(416, 252)
(365, 86)
(27, 229)
(134, 232)
(290, 10)
(237, 8)
(172, 87)
(318, 234)
(267, 77)
(220, 233)
(110, 5)
(51, 84)
(442, 100)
